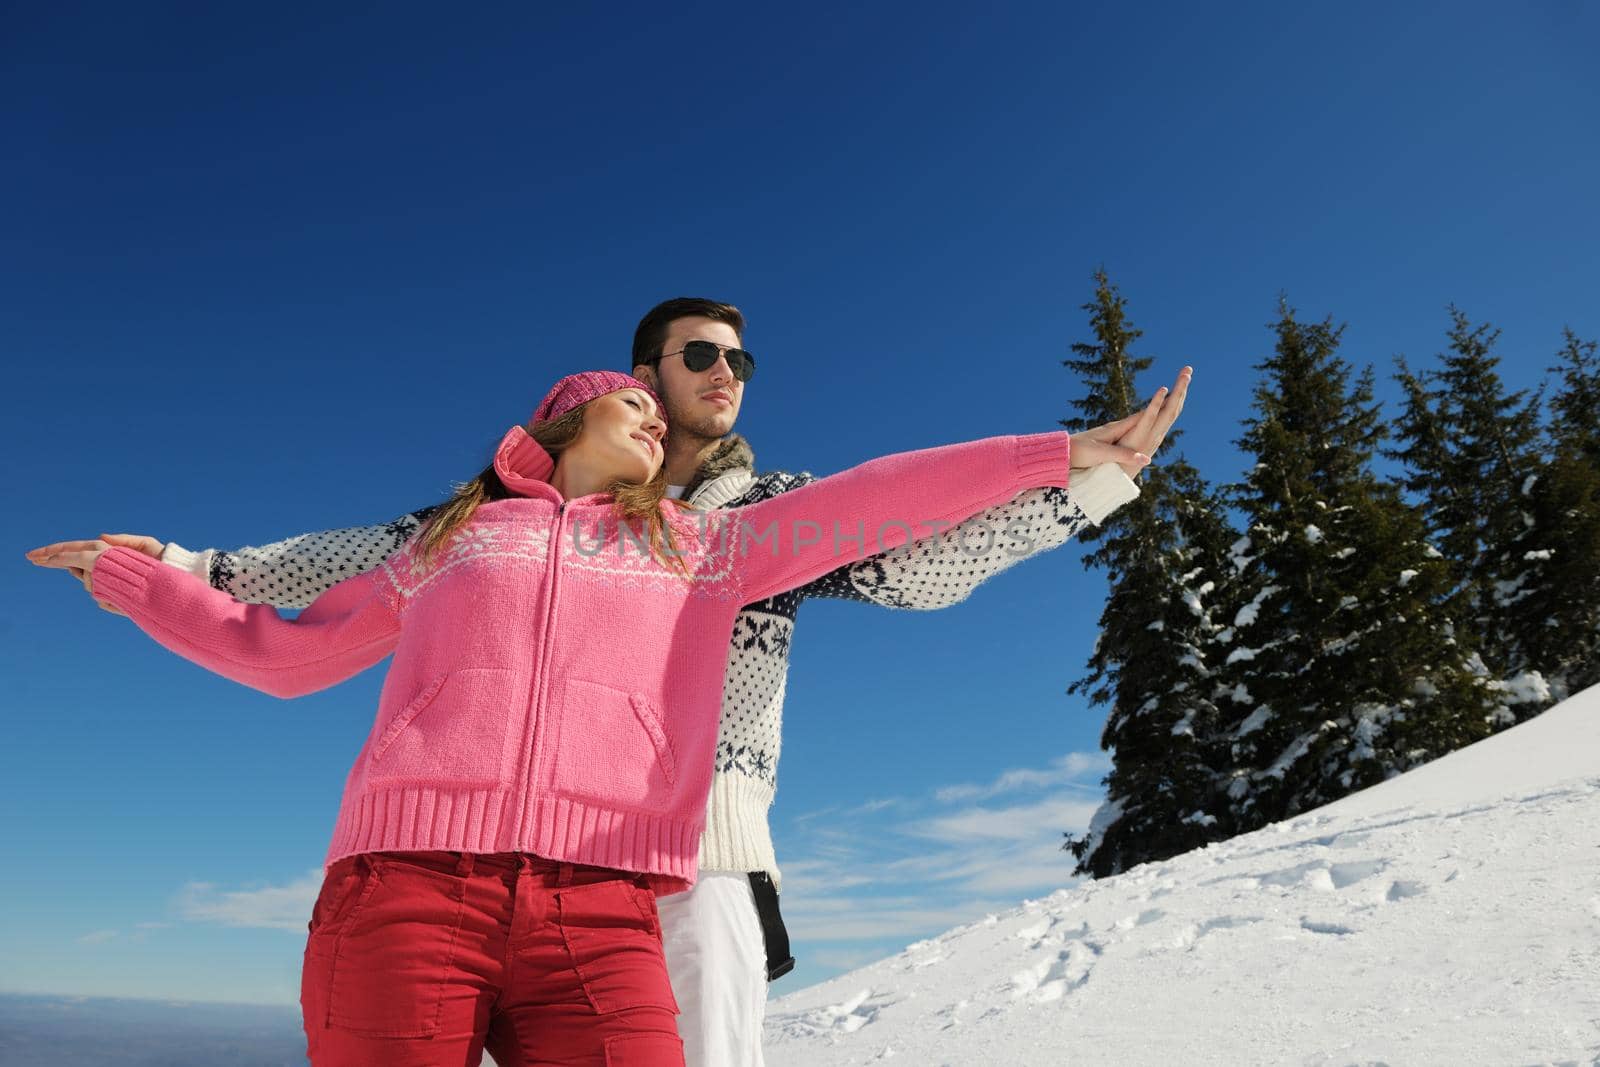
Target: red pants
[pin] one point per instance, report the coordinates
(424, 959)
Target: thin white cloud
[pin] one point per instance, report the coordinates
(1029, 871)
(97, 937)
(272, 907)
(864, 920)
(1048, 817)
(1067, 770)
(818, 876)
(868, 807)
(846, 959)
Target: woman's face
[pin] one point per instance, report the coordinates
(621, 437)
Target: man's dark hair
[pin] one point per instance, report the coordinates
(651, 335)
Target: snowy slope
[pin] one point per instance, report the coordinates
(1448, 916)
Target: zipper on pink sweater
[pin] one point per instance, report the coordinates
(539, 697)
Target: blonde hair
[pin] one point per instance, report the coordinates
(635, 503)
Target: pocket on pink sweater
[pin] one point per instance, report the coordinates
(613, 747)
(452, 729)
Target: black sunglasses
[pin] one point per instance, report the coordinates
(700, 355)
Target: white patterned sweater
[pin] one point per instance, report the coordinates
(933, 573)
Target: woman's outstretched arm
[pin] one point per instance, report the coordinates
(344, 631)
(789, 540)
(939, 571)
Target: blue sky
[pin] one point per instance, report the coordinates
(275, 270)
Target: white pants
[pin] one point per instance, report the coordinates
(717, 960)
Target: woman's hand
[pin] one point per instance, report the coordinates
(78, 557)
(1131, 442)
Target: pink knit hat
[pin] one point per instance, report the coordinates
(580, 388)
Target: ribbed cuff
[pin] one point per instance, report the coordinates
(1101, 490)
(120, 576)
(1043, 459)
(737, 837)
(195, 563)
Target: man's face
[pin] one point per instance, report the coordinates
(703, 404)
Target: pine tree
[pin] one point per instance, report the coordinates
(1472, 453)
(1575, 427)
(1163, 554)
(1341, 669)
(1551, 617)
(1108, 370)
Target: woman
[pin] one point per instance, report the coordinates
(538, 767)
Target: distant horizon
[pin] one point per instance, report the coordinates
(168, 1001)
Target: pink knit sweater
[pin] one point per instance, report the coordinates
(555, 690)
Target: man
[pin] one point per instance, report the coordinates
(724, 940)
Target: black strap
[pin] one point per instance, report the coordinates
(779, 962)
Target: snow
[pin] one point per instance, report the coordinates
(1239, 553)
(1406, 576)
(1192, 597)
(1541, 554)
(1291, 755)
(1507, 593)
(1313, 533)
(1248, 614)
(1258, 718)
(1370, 719)
(1448, 916)
(1528, 687)
(1105, 815)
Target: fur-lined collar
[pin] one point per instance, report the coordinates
(724, 474)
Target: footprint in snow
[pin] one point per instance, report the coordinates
(845, 1018)
(951, 1014)
(924, 954)
(1144, 918)
(1323, 876)
(1189, 935)
(1055, 976)
(1400, 890)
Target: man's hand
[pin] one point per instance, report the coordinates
(78, 557)
(1131, 442)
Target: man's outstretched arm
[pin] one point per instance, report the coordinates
(940, 571)
(286, 574)
(295, 571)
